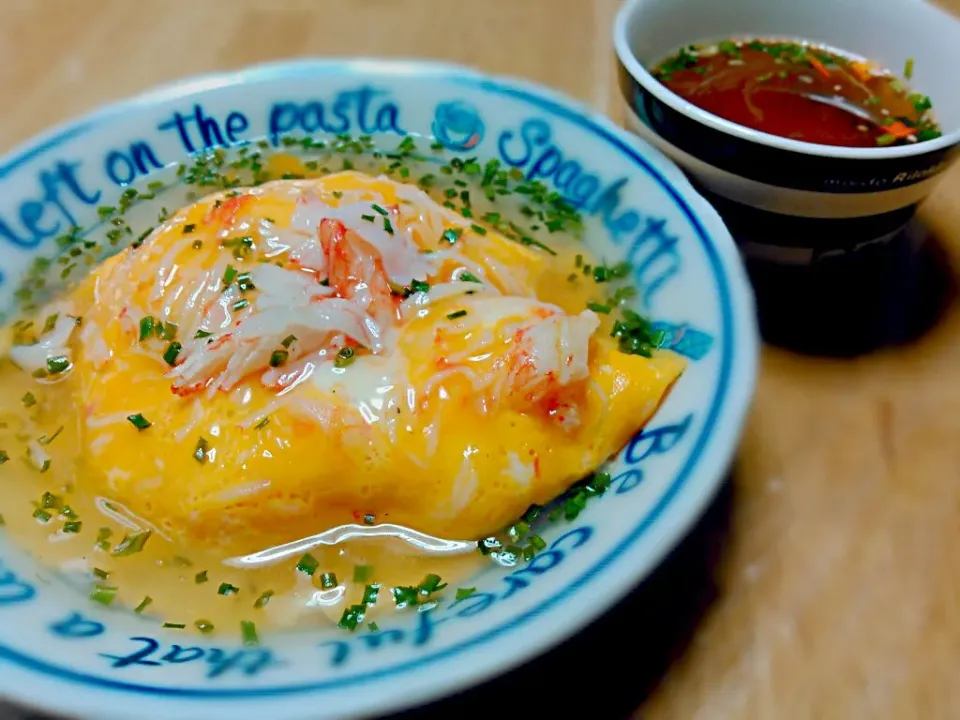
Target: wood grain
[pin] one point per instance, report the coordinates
(839, 582)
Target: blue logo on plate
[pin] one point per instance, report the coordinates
(457, 125)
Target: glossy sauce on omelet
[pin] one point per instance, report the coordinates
(336, 371)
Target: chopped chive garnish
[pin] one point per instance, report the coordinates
(138, 421)
(264, 599)
(379, 209)
(48, 500)
(42, 515)
(103, 537)
(345, 357)
(104, 594)
(599, 308)
(262, 424)
(189, 228)
(886, 139)
(229, 274)
(102, 574)
(143, 605)
(457, 314)
(362, 573)
(248, 632)
(431, 583)
(289, 340)
(463, 593)
(419, 286)
(47, 439)
(167, 330)
(370, 593)
(28, 399)
(57, 364)
(368, 218)
(226, 589)
(132, 544)
(308, 564)
(387, 227)
(469, 277)
(146, 327)
(373, 627)
(908, 69)
(4, 457)
(479, 230)
(278, 358)
(201, 334)
(451, 235)
(201, 577)
(171, 353)
(328, 580)
(174, 626)
(240, 304)
(352, 616)
(204, 626)
(200, 451)
(74, 526)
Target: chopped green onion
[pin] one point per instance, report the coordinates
(387, 227)
(189, 228)
(469, 277)
(201, 334)
(42, 515)
(174, 626)
(328, 580)
(264, 599)
(379, 209)
(886, 139)
(352, 616)
(370, 593)
(170, 354)
(289, 340)
(597, 307)
(463, 593)
(28, 399)
(139, 421)
(249, 633)
(362, 573)
(229, 275)
(204, 626)
(240, 304)
(226, 589)
(57, 364)
(262, 424)
(345, 357)
(132, 544)
(200, 578)
(908, 69)
(308, 564)
(146, 327)
(419, 286)
(102, 574)
(373, 627)
(200, 452)
(451, 235)
(479, 230)
(4, 457)
(368, 218)
(73, 527)
(104, 594)
(167, 330)
(457, 314)
(46, 440)
(143, 605)
(278, 358)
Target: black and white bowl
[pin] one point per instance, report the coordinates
(787, 201)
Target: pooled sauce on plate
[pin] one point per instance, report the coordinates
(801, 92)
(331, 385)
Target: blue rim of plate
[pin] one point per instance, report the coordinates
(539, 98)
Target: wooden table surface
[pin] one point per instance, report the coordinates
(826, 581)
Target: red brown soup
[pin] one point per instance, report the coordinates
(784, 88)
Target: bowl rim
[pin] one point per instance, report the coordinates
(636, 69)
(682, 504)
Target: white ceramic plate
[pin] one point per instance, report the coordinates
(59, 653)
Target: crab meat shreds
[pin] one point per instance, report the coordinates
(53, 343)
(355, 273)
(550, 354)
(223, 363)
